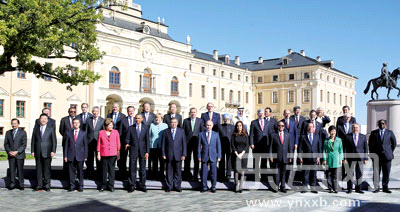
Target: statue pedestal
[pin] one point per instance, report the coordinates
(384, 109)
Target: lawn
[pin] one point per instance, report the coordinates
(3, 156)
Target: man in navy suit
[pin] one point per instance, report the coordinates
(299, 120)
(85, 115)
(292, 130)
(75, 153)
(209, 152)
(382, 142)
(172, 114)
(211, 115)
(138, 143)
(346, 111)
(116, 116)
(93, 127)
(310, 144)
(355, 149)
(173, 148)
(270, 121)
(148, 116)
(192, 126)
(15, 145)
(281, 145)
(259, 132)
(66, 125)
(344, 127)
(123, 129)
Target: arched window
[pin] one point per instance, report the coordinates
(146, 81)
(174, 86)
(114, 78)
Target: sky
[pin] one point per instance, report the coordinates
(358, 35)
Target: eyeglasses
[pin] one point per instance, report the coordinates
(281, 125)
(72, 111)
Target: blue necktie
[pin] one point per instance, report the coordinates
(15, 132)
(173, 134)
(115, 118)
(310, 138)
(138, 131)
(382, 133)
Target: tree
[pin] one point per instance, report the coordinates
(31, 29)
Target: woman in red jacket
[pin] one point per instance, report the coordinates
(108, 146)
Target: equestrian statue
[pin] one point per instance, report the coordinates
(387, 80)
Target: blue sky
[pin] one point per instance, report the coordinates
(358, 35)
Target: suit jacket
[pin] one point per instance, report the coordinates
(272, 125)
(124, 128)
(50, 123)
(78, 149)
(198, 128)
(341, 132)
(139, 146)
(173, 149)
(108, 145)
(216, 119)
(80, 116)
(383, 147)
(292, 130)
(43, 145)
(318, 127)
(15, 144)
(93, 131)
(314, 149)
(226, 132)
(280, 149)
(350, 147)
(209, 152)
(340, 120)
(259, 137)
(167, 119)
(299, 126)
(150, 119)
(120, 116)
(65, 126)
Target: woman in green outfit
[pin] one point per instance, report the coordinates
(333, 157)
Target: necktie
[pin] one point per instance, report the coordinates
(15, 133)
(94, 122)
(355, 139)
(297, 120)
(146, 115)
(210, 115)
(138, 131)
(281, 137)
(310, 138)
(268, 119)
(41, 131)
(70, 122)
(287, 123)
(262, 124)
(76, 135)
(173, 134)
(382, 133)
(193, 122)
(208, 137)
(130, 121)
(346, 128)
(84, 118)
(115, 118)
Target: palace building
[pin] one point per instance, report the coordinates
(144, 64)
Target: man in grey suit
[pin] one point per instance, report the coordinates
(148, 116)
(15, 145)
(43, 148)
(93, 126)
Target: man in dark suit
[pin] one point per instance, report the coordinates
(148, 116)
(66, 125)
(281, 146)
(292, 130)
(270, 121)
(172, 114)
(259, 141)
(192, 126)
(346, 111)
(382, 142)
(51, 122)
(173, 148)
(310, 144)
(299, 120)
(211, 115)
(225, 134)
(116, 116)
(43, 148)
(123, 130)
(355, 149)
(209, 152)
(75, 153)
(344, 128)
(138, 143)
(93, 127)
(85, 115)
(15, 145)
(322, 118)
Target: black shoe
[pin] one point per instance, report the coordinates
(179, 190)
(144, 190)
(70, 190)
(376, 191)
(349, 191)
(80, 190)
(303, 192)
(359, 191)
(213, 191)
(21, 188)
(240, 191)
(11, 188)
(202, 191)
(387, 191)
(47, 189)
(130, 190)
(283, 190)
(167, 190)
(315, 192)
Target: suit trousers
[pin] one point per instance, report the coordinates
(279, 177)
(225, 165)
(133, 170)
(108, 163)
(310, 176)
(261, 157)
(43, 168)
(192, 146)
(331, 175)
(75, 172)
(384, 166)
(174, 174)
(90, 160)
(154, 160)
(204, 174)
(358, 167)
(16, 165)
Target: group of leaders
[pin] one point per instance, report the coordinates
(165, 142)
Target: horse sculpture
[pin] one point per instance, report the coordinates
(381, 82)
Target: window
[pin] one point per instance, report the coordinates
(247, 78)
(334, 80)
(203, 91)
(285, 61)
(231, 76)
(190, 89)
(306, 97)
(291, 76)
(214, 72)
(222, 94)
(340, 99)
(238, 96)
(247, 97)
(21, 74)
(214, 92)
(320, 76)
(73, 45)
(230, 96)
(73, 106)
(227, 59)
(1, 107)
(47, 78)
(1, 130)
(203, 69)
(222, 73)
(327, 97)
(321, 95)
(20, 109)
(190, 67)
(146, 82)
(239, 77)
(275, 78)
(47, 105)
(259, 98)
(351, 101)
(334, 98)
(174, 86)
(291, 96)
(274, 97)
(345, 100)
(259, 79)
(306, 75)
(114, 78)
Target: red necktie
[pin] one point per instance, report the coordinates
(262, 124)
(281, 136)
(76, 135)
(287, 123)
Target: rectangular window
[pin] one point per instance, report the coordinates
(247, 97)
(334, 98)
(291, 76)
(214, 72)
(1, 130)
(345, 100)
(274, 97)
(203, 70)
(285, 61)
(327, 97)
(222, 73)
(1, 107)
(47, 105)
(190, 67)
(291, 96)
(203, 91)
(259, 98)
(247, 78)
(231, 76)
(239, 77)
(275, 78)
(306, 75)
(21, 74)
(190, 89)
(321, 95)
(222, 94)
(214, 92)
(351, 101)
(259, 79)
(306, 95)
(20, 109)
(340, 99)
(238, 96)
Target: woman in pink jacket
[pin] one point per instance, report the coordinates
(108, 146)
